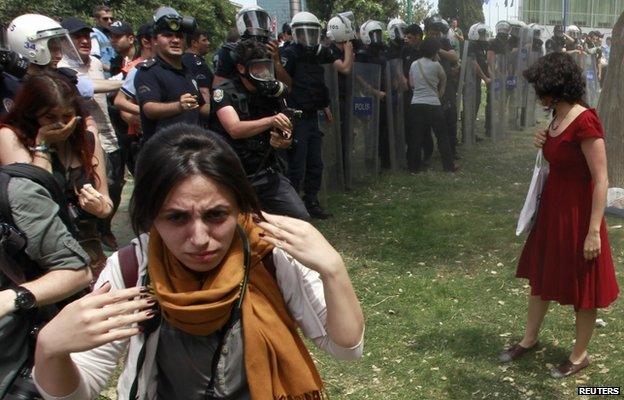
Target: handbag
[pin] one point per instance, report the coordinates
(531, 203)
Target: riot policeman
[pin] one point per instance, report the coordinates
(248, 116)
(43, 42)
(396, 35)
(166, 92)
(252, 22)
(306, 76)
(374, 52)
(341, 31)
(557, 43)
(497, 60)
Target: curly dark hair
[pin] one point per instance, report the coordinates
(557, 75)
(248, 50)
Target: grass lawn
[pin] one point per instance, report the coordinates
(432, 257)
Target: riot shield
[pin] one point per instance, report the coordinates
(592, 87)
(587, 62)
(333, 173)
(532, 101)
(498, 96)
(519, 101)
(363, 137)
(468, 82)
(396, 90)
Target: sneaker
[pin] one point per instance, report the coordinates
(316, 211)
(109, 241)
(567, 368)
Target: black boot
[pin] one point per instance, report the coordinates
(316, 211)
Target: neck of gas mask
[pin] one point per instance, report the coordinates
(267, 88)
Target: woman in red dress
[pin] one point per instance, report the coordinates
(567, 257)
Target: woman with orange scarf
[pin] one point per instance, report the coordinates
(222, 290)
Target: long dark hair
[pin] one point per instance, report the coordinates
(178, 152)
(42, 92)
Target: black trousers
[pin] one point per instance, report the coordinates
(427, 139)
(425, 118)
(277, 195)
(115, 169)
(305, 158)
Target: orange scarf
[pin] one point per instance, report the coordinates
(277, 363)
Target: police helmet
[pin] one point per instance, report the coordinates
(371, 32)
(253, 21)
(396, 29)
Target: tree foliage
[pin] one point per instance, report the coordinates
(380, 10)
(468, 12)
(215, 16)
(609, 106)
(420, 9)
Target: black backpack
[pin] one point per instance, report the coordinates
(12, 240)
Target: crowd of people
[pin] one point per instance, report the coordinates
(228, 165)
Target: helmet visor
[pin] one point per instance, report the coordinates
(58, 42)
(399, 32)
(376, 37)
(261, 70)
(309, 36)
(257, 23)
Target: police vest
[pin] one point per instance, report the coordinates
(309, 92)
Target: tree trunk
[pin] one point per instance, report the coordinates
(609, 106)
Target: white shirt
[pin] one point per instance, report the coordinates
(303, 294)
(98, 105)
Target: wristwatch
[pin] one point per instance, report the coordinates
(25, 301)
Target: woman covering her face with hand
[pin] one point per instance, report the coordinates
(231, 286)
(46, 127)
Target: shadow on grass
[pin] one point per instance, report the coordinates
(473, 369)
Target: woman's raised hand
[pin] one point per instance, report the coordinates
(58, 132)
(302, 241)
(98, 318)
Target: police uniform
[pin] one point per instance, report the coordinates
(160, 82)
(224, 64)
(260, 160)
(199, 70)
(9, 85)
(308, 94)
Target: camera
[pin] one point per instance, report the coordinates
(11, 239)
(11, 62)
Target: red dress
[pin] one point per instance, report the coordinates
(552, 258)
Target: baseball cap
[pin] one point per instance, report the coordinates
(146, 30)
(120, 28)
(73, 25)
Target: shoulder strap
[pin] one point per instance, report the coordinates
(5, 207)
(129, 265)
(41, 177)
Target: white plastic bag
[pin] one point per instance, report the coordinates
(531, 204)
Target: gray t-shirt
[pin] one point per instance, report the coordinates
(423, 89)
(51, 246)
(182, 357)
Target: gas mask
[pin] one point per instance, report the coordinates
(502, 36)
(166, 19)
(261, 74)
